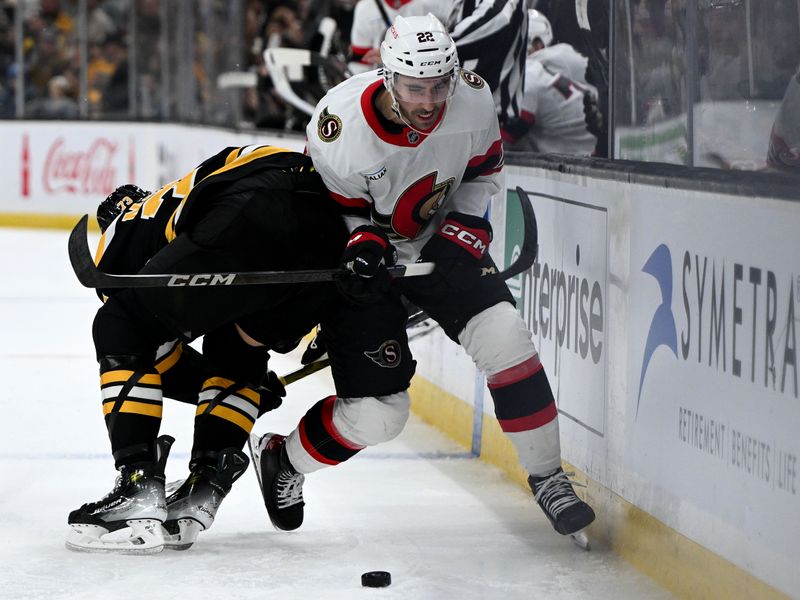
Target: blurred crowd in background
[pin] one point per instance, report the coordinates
(694, 82)
(172, 49)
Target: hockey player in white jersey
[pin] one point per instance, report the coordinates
(412, 153)
(552, 117)
(489, 36)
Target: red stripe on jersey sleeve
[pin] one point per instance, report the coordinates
(494, 151)
(358, 52)
(485, 164)
(349, 202)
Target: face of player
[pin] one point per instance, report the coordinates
(422, 100)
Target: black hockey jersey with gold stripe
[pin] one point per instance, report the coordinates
(162, 215)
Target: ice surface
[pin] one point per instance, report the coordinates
(444, 524)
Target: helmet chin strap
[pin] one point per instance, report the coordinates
(399, 112)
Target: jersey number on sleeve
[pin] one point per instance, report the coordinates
(147, 208)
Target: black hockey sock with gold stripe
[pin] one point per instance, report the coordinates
(132, 404)
(226, 413)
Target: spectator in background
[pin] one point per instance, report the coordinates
(552, 117)
(148, 74)
(8, 86)
(284, 27)
(51, 14)
(115, 93)
(99, 24)
(59, 104)
(48, 56)
(99, 70)
(6, 60)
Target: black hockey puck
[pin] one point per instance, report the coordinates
(376, 579)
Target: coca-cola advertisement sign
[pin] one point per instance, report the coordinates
(87, 170)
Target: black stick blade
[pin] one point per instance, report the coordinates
(79, 254)
(530, 242)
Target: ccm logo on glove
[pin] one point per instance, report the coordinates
(473, 240)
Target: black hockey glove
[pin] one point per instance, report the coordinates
(271, 392)
(458, 246)
(117, 201)
(365, 259)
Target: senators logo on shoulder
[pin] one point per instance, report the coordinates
(472, 80)
(329, 126)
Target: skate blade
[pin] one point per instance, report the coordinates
(581, 540)
(188, 530)
(253, 443)
(141, 536)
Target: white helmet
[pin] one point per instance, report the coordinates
(419, 47)
(539, 27)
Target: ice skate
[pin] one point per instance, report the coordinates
(281, 485)
(128, 519)
(567, 513)
(192, 504)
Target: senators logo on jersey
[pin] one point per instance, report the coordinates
(472, 80)
(387, 356)
(329, 126)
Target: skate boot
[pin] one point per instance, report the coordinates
(128, 519)
(192, 504)
(553, 492)
(281, 485)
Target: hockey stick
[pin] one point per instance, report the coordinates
(286, 65)
(92, 277)
(304, 371)
(525, 260)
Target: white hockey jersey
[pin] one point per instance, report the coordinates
(564, 59)
(396, 178)
(553, 103)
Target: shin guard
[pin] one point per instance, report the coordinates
(500, 344)
(132, 405)
(336, 429)
(225, 415)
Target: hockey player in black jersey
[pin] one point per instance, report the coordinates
(251, 208)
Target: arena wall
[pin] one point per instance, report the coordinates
(54, 171)
(665, 309)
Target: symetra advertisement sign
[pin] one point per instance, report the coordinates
(714, 405)
(563, 301)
